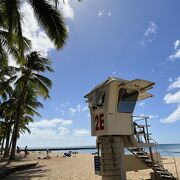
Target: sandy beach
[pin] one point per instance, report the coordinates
(78, 167)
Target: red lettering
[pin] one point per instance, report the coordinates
(99, 119)
(97, 122)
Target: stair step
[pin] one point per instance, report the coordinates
(159, 169)
(163, 173)
(157, 166)
(148, 161)
(140, 153)
(167, 177)
(143, 157)
(135, 149)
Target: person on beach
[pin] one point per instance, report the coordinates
(69, 154)
(18, 150)
(47, 152)
(25, 151)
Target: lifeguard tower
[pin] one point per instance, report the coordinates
(111, 105)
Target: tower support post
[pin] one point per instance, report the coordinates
(112, 158)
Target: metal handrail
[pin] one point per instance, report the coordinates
(140, 118)
(145, 118)
(169, 155)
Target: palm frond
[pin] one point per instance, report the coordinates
(11, 12)
(44, 79)
(12, 46)
(31, 111)
(41, 88)
(51, 20)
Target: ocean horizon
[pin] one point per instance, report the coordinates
(164, 149)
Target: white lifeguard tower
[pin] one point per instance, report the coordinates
(111, 105)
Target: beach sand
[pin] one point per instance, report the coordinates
(78, 167)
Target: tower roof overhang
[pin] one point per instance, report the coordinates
(139, 85)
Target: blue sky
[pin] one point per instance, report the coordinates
(121, 38)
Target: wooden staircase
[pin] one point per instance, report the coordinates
(158, 169)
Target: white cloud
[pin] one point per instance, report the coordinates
(45, 123)
(109, 13)
(49, 133)
(63, 131)
(176, 54)
(62, 112)
(152, 29)
(175, 84)
(175, 99)
(85, 108)
(100, 13)
(153, 116)
(58, 141)
(114, 73)
(176, 44)
(42, 133)
(81, 132)
(152, 71)
(170, 79)
(66, 9)
(173, 117)
(142, 103)
(50, 129)
(149, 33)
(60, 106)
(77, 109)
(172, 98)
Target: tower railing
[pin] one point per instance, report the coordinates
(170, 155)
(149, 139)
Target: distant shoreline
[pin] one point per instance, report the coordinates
(164, 149)
(60, 149)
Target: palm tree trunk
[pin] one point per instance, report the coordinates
(1, 140)
(6, 152)
(14, 136)
(10, 145)
(17, 120)
(2, 145)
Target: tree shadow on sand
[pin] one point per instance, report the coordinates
(35, 172)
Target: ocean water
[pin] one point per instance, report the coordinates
(172, 149)
(168, 150)
(164, 149)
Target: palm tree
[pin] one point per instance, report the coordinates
(28, 87)
(7, 111)
(46, 13)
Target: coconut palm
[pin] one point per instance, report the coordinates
(28, 87)
(46, 13)
(7, 112)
